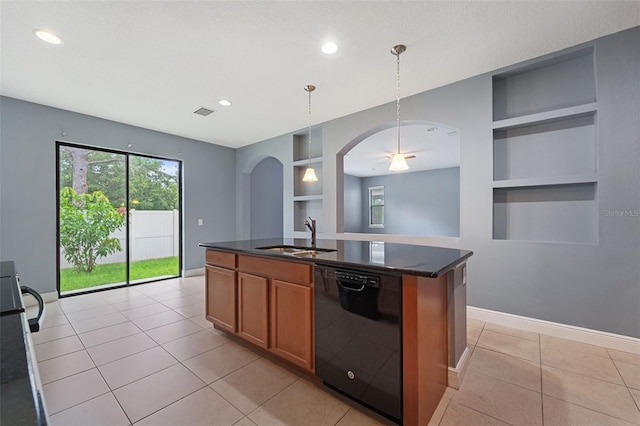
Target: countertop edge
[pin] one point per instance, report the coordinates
(383, 268)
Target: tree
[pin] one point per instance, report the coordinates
(151, 184)
(78, 166)
(86, 221)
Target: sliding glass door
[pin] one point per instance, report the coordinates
(118, 218)
(154, 209)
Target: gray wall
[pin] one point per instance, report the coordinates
(28, 183)
(266, 199)
(247, 157)
(354, 205)
(592, 285)
(417, 203)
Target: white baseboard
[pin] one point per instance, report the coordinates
(193, 272)
(579, 334)
(456, 375)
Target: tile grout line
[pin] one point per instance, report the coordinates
(206, 385)
(589, 377)
(111, 391)
(343, 416)
(477, 411)
(624, 385)
(511, 335)
(623, 380)
(105, 381)
(209, 385)
(100, 372)
(591, 409)
(267, 401)
(166, 406)
(503, 353)
(483, 328)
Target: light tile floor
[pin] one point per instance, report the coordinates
(145, 355)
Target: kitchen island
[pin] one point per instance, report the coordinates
(263, 292)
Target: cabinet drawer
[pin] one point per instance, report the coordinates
(301, 273)
(221, 258)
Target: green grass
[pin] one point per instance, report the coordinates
(116, 273)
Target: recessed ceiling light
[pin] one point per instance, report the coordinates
(47, 36)
(329, 48)
(224, 102)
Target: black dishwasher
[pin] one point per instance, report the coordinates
(358, 336)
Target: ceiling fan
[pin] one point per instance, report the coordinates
(406, 157)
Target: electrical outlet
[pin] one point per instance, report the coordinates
(200, 222)
(464, 274)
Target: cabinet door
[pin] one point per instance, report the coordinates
(221, 298)
(292, 323)
(253, 309)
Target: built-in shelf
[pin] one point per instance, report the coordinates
(549, 85)
(304, 209)
(554, 180)
(562, 147)
(302, 188)
(545, 151)
(553, 213)
(307, 196)
(301, 145)
(546, 116)
(305, 162)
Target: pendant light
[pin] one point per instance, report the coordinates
(398, 162)
(310, 174)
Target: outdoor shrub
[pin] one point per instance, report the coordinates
(86, 221)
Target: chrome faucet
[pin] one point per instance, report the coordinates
(311, 224)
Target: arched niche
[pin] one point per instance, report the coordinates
(421, 201)
(263, 198)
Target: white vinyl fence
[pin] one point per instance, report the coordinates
(154, 235)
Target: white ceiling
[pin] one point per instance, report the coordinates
(152, 63)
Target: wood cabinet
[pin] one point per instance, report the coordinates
(291, 320)
(424, 346)
(268, 302)
(253, 309)
(221, 297)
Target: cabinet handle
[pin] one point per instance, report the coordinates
(35, 323)
(350, 288)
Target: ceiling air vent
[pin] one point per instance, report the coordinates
(204, 111)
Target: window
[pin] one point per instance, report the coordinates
(376, 207)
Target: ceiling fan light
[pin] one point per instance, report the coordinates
(398, 163)
(310, 175)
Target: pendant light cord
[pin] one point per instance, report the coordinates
(398, 99)
(309, 91)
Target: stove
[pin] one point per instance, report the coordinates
(21, 400)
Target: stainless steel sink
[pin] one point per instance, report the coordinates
(296, 250)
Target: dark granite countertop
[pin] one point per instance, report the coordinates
(407, 259)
